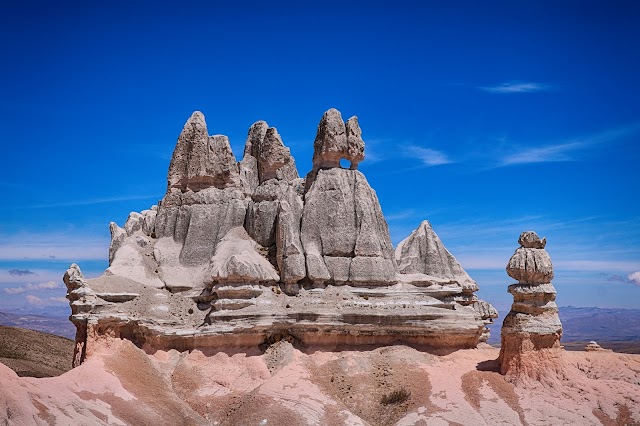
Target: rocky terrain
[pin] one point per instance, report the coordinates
(394, 385)
(34, 354)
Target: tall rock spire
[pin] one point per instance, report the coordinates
(531, 331)
(201, 161)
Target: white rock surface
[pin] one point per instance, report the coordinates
(422, 252)
(201, 161)
(343, 232)
(335, 140)
(237, 260)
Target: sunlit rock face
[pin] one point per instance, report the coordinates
(532, 330)
(237, 254)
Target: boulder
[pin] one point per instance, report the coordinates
(274, 159)
(265, 158)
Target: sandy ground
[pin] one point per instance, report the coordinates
(398, 385)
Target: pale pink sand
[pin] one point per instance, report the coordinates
(120, 384)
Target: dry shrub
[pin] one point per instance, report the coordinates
(398, 396)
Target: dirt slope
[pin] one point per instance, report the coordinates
(34, 354)
(398, 385)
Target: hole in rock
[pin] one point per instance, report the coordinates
(344, 163)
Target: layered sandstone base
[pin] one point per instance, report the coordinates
(530, 356)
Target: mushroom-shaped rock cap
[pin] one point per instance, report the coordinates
(530, 264)
(336, 140)
(529, 239)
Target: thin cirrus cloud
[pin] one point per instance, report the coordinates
(516, 87)
(545, 154)
(89, 202)
(429, 157)
(38, 301)
(567, 150)
(50, 285)
(54, 245)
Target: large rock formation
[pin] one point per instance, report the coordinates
(531, 331)
(243, 253)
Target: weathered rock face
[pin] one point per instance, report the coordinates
(531, 331)
(423, 255)
(530, 265)
(201, 161)
(336, 140)
(425, 262)
(237, 253)
(344, 235)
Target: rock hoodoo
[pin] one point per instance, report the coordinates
(531, 331)
(242, 253)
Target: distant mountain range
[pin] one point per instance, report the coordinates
(58, 325)
(600, 324)
(615, 328)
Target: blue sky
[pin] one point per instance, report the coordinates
(487, 118)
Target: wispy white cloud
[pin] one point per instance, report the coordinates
(428, 156)
(55, 245)
(546, 154)
(401, 215)
(38, 301)
(49, 285)
(634, 278)
(498, 259)
(596, 265)
(89, 202)
(516, 87)
(567, 150)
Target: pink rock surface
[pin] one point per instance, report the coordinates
(121, 384)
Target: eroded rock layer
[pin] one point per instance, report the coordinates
(243, 253)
